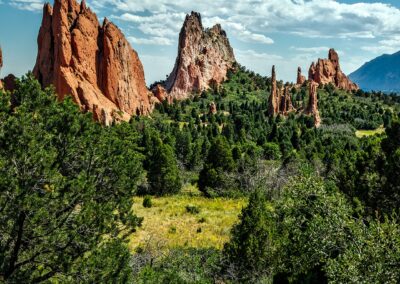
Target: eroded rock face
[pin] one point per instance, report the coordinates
(280, 100)
(1, 59)
(160, 93)
(204, 58)
(274, 98)
(9, 83)
(312, 107)
(286, 102)
(213, 108)
(1, 66)
(93, 63)
(327, 71)
(300, 78)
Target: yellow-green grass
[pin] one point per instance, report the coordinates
(168, 224)
(364, 133)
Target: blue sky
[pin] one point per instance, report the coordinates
(287, 33)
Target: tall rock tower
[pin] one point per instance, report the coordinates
(93, 63)
(204, 58)
(312, 108)
(1, 66)
(274, 98)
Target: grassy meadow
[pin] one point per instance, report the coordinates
(364, 133)
(188, 220)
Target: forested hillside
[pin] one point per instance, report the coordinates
(322, 202)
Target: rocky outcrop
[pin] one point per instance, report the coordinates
(300, 78)
(1, 66)
(274, 98)
(160, 93)
(10, 83)
(286, 105)
(312, 107)
(280, 100)
(327, 71)
(93, 63)
(204, 58)
(213, 108)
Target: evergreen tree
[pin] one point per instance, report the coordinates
(164, 176)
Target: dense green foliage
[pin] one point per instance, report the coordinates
(323, 203)
(311, 234)
(66, 185)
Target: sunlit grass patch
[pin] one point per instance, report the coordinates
(363, 133)
(169, 224)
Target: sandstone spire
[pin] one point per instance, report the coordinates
(93, 63)
(300, 78)
(286, 102)
(213, 108)
(327, 71)
(1, 59)
(274, 98)
(1, 66)
(204, 58)
(312, 108)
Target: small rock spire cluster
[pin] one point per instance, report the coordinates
(93, 63)
(280, 101)
(326, 71)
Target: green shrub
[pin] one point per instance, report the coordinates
(202, 220)
(192, 209)
(147, 202)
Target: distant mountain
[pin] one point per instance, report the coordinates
(380, 74)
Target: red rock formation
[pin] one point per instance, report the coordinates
(93, 63)
(300, 78)
(327, 71)
(160, 93)
(9, 83)
(1, 59)
(312, 108)
(213, 108)
(286, 105)
(204, 58)
(1, 66)
(274, 98)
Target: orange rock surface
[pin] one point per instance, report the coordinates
(300, 78)
(274, 98)
(204, 58)
(327, 71)
(312, 108)
(93, 63)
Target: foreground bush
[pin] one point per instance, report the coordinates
(309, 234)
(65, 183)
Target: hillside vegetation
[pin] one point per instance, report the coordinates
(192, 196)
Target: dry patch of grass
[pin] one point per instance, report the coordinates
(188, 220)
(363, 133)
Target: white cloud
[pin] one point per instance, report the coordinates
(326, 17)
(150, 41)
(388, 45)
(315, 50)
(29, 5)
(369, 28)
